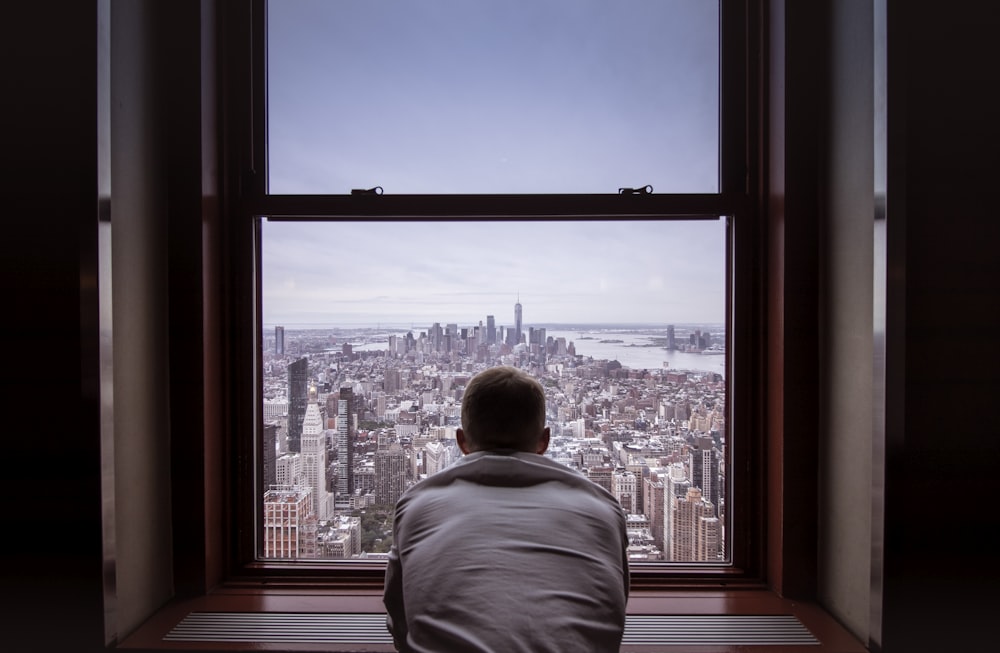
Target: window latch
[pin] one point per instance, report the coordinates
(641, 190)
(377, 190)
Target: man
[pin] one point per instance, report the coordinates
(506, 550)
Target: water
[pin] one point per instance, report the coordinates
(638, 349)
(634, 350)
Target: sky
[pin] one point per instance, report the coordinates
(347, 273)
(492, 96)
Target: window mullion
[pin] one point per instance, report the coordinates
(322, 207)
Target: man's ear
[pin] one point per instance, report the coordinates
(543, 442)
(462, 443)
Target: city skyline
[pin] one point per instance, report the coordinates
(346, 273)
(654, 437)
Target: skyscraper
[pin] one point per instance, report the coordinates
(491, 330)
(652, 499)
(269, 455)
(436, 336)
(390, 474)
(345, 442)
(676, 485)
(279, 340)
(696, 530)
(314, 461)
(298, 390)
(705, 470)
(517, 321)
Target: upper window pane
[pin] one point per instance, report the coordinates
(497, 96)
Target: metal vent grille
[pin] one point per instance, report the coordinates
(368, 628)
(718, 630)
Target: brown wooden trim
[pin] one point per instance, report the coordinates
(795, 107)
(833, 638)
(244, 165)
(195, 291)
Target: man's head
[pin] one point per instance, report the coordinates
(503, 408)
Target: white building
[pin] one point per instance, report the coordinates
(624, 487)
(314, 461)
(288, 469)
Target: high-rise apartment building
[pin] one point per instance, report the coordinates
(705, 470)
(289, 523)
(392, 381)
(288, 469)
(652, 498)
(696, 529)
(345, 441)
(298, 397)
(269, 454)
(675, 486)
(390, 474)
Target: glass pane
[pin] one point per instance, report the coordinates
(370, 332)
(493, 96)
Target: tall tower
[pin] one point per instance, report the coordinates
(705, 470)
(436, 336)
(314, 460)
(269, 455)
(279, 340)
(696, 532)
(491, 330)
(675, 488)
(671, 337)
(390, 474)
(297, 398)
(652, 501)
(345, 442)
(517, 321)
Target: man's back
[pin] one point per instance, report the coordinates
(507, 552)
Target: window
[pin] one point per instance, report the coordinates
(499, 231)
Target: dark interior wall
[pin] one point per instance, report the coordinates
(942, 446)
(846, 258)
(139, 450)
(791, 172)
(48, 268)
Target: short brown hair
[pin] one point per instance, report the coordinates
(503, 408)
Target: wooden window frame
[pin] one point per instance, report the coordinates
(227, 551)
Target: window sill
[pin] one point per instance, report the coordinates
(697, 604)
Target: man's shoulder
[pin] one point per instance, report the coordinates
(508, 469)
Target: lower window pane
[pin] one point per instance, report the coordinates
(371, 330)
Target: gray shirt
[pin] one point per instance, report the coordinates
(505, 552)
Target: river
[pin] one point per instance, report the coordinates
(634, 350)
